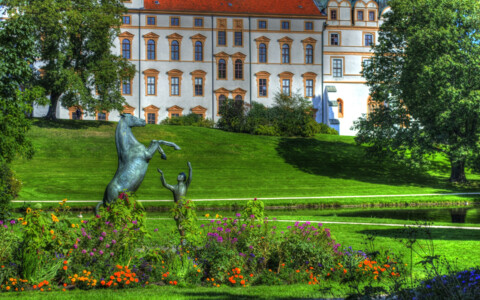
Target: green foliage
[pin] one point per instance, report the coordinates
(189, 120)
(254, 210)
(9, 188)
(74, 41)
(290, 116)
(185, 217)
(424, 81)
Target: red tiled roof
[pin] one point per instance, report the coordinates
(269, 7)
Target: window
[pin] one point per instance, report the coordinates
(126, 87)
(221, 101)
(175, 51)
(366, 63)
(262, 24)
(262, 87)
(101, 116)
(238, 101)
(126, 49)
(285, 54)
(174, 90)
(151, 85)
(198, 22)
(221, 38)
(222, 69)
(151, 50)
(238, 38)
(151, 118)
(333, 14)
(198, 86)
(359, 15)
(174, 21)
(238, 69)
(371, 16)
(368, 39)
(198, 51)
(77, 114)
(151, 21)
(337, 67)
(308, 25)
(340, 108)
(126, 20)
(309, 88)
(286, 25)
(286, 86)
(334, 39)
(309, 54)
(262, 56)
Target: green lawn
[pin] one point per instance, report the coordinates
(77, 159)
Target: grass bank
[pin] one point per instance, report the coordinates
(77, 159)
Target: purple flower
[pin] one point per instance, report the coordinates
(107, 222)
(84, 251)
(234, 240)
(89, 237)
(219, 222)
(115, 231)
(12, 222)
(97, 216)
(288, 227)
(203, 225)
(101, 252)
(241, 254)
(274, 227)
(1, 222)
(78, 240)
(225, 219)
(227, 230)
(238, 215)
(156, 229)
(6, 226)
(101, 238)
(104, 233)
(111, 253)
(220, 228)
(134, 222)
(251, 247)
(225, 224)
(252, 216)
(107, 246)
(91, 254)
(252, 255)
(94, 249)
(296, 224)
(75, 246)
(307, 223)
(114, 241)
(320, 225)
(211, 221)
(219, 239)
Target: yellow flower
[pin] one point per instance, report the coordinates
(73, 225)
(207, 215)
(20, 219)
(54, 218)
(216, 216)
(29, 210)
(24, 223)
(52, 232)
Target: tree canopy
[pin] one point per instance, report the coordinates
(74, 41)
(424, 81)
(17, 93)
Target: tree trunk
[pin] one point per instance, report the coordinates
(52, 109)
(458, 171)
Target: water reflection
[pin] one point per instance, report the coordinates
(464, 214)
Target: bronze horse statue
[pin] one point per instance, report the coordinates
(133, 159)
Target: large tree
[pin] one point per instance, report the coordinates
(74, 39)
(17, 93)
(424, 80)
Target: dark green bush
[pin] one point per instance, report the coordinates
(290, 116)
(189, 120)
(9, 188)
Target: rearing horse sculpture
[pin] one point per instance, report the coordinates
(133, 158)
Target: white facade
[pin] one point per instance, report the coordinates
(338, 38)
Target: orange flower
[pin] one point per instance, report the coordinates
(102, 282)
(175, 282)
(65, 268)
(298, 271)
(64, 290)
(344, 271)
(65, 285)
(65, 262)
(242, 282)
(127, 282)
(8, 288)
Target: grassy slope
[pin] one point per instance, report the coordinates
(77, 159)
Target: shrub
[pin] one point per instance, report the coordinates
(290, 116)
(189, 120)
(9, 188)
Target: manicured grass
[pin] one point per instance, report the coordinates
(77, 159)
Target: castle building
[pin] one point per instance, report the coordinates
(191, 56)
